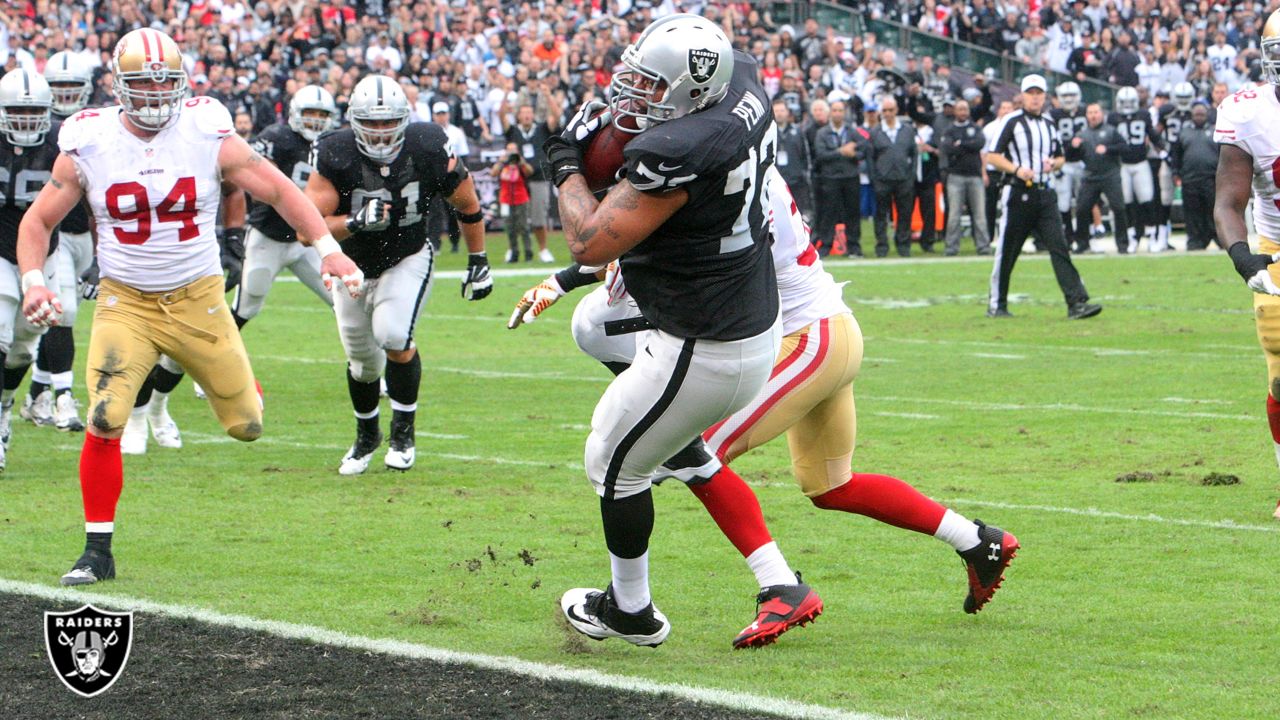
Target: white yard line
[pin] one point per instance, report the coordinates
(1095, 513)
(207, 439)
(399, 648)
(1054, 407)
(909, 416)
(998, 356)
(1095, 350)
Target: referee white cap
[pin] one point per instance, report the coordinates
(1034, 82)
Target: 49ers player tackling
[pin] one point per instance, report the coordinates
(809, 396)
(151, 169)
(1250, 161)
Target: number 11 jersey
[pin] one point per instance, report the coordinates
(155, 201)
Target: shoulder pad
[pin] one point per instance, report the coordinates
(203, 118)
(334, 150)
(669, 155)
(427, 137)
(79, 133)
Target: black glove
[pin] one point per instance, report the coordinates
(478, 283)
(89, 281)
(232, 242)
(564, 151)
(374, 216)
(564, 159)
(1253, 268)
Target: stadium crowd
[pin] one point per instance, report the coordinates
(483, 62)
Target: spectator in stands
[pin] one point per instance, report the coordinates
(810, 48)
(512, 171)
(1033, 46)
(1121, 66)
(528, 136)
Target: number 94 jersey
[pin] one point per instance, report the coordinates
(23, 171)
(1247, 120)
(155, 202)
(418, 174)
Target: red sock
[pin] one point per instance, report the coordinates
(886, 499)
(101, 477)
(1273, 417)
(735, 509)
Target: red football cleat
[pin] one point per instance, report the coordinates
(985, 564)
(779, 608)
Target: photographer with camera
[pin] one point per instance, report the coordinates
(513, 173)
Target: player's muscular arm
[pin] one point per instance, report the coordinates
(465, 201)
(1231, 195)
(321, 192)
(55, 200)
(234, 206)
(248, 170)
(599, 232)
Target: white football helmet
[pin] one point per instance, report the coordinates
(378, 98)
(25, 100)
(1270, 49)
(71, 81)
(679, 65)
(1068, 96)
(1183, 96)
(1127, 100)
(148, 78)
(312, 97)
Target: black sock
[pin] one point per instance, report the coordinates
(99, 541)
(35, 388)
(240, 322)
(403, 418)
(364, 395)
(628, 523)
(403, 380)
(164, 380)
(57, 350)
(13, 376)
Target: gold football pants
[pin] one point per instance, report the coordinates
(1266, 318)
(192, 325)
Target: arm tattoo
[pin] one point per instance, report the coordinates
(254, 158)
(576, 207)
(54, 182)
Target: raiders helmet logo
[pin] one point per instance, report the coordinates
(703, 64)
(88, 647)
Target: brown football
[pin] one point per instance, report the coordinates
(603, 158)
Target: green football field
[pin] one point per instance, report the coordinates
(1144, 587)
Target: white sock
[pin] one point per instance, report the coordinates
(1277, 453)
(958, 531)
(41, 376)
(100, 527)
(630, 582)
(770, 567)
(139, 414)
(61, 381)
(159, 405)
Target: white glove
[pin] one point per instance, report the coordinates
(374, 216)
(614, 283)
(534, 301)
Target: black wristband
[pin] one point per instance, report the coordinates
(572, 278)
(1238, 257)
(470, 218)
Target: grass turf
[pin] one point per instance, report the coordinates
(1026, 423)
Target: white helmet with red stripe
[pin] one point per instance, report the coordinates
(149, 80)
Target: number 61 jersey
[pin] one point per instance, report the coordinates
(155, 201)
(418, 174)
(1247, 120)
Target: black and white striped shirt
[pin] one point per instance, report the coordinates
(1030, 141)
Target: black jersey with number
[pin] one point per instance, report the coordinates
(419, 173)
(707, 271)
(76, 221)
(290, 152)
(1136, 129)
(1069, 125)
(1173, 120)
(23, 172)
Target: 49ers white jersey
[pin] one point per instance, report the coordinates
(1248, 120)
(807, 292)
(155, 202)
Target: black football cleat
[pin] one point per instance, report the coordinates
(692, 466)
(778, 609)
(985, 564)
(401, 453)
(594, 614)
(93, 566)
(356, 461)
(999, 313)
(1083, 310)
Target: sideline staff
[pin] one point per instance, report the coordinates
(1029, 152)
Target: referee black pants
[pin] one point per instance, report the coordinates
(1026, 211)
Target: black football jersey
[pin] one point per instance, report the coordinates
(290, 152)
(707, 271)
(76, 221)
(1069, 125)
(410, 183)
(1173, 120)
(1136, 129)
(23, 172)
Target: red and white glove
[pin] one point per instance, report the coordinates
(534, 301)
(614, 283)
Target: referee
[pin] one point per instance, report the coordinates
(1029, 153)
